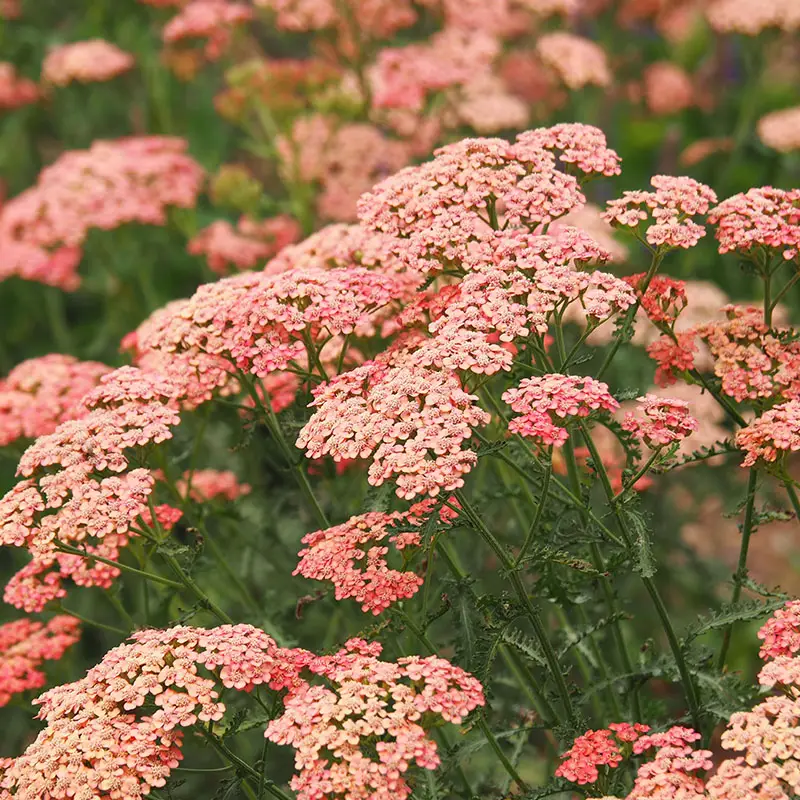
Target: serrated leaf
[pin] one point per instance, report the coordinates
(644, 561)
(732, 613)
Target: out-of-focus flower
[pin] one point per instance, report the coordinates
(15, 91)
(343, 160)
(362, 728)
(765, 217)
(671, 207)
(701, 149)
(111, 184)
(660, 421)
(246, 245)
(25, 644)
(578, 62)
(202, 485)
(41, 393)
(749, 18)
(773, 434)
(210, 20)
(668, 89)
(780, 130)
(546, 403)
(92, 61)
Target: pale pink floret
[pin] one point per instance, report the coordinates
(669, 209)
(99, 741)
(772, 435)
(15, 91)
(781, 633)
(780, 130)
(583, 146)
(578, 62)
(363, 727)
(24, 645)
(411, 421)
(660, 421)
(211, 20)
(92, 61)
(547, 403)
(39, 394)
(765, 217)
(353, 556)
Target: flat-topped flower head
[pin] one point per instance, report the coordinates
(780, 130)
(353, 556)
(25, 645)
(598, 748)
(781, 633)
(576, 61)
(580, 146)
(211, 21)
(669, 210)
(772, 435)
(40, 393)
(660, 421)
(15, 91)
(547, 403)
(410, 420)
(366, 724)
(762, 217)
(92, 61)
(751, 18)
(663, 300)
(203, 485)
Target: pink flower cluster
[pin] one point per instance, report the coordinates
(545, 403)
(772, 435)
(601, 748)
(211, 20)
(750, 19)
(244, 246)
(98, 743)
(352, 556)
(92, 61)
(578, 62)
(78, 487)
(41, 393)
(660, 421)
(780, 130)
(762, 217)
(203, 485)
(360, 730)
(25, 644)
(663, 300)
(15, 91)
(410, 420)
(111, 184)
(671, 207)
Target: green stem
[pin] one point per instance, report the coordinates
(637, 477)
(782, 293)
(187, 581)
(57, 317)
(689, 688)
(787, 484)
(101, 625)
(531, 610)
(537, 517)
(741, 567)
(494, 744)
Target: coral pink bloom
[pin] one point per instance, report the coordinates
(100, 741)
(111, 184)
(748, 18)
(670, 208)
(92, 61)
(365, 724)
(203, 485)
(664, 298)
(211, 20)
(578, 62)
(772, 435)
(765, 217)
(15, 91)
(781, 633)
(411, 421)
(24, 645)
(780, 130)
(668, 89)
(660, 421)
(39, 394)
(546, 403)
(352, 556)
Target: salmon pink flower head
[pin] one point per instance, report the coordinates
(92, 61)
(113, 183)
(668, 89)
(664, 298)
(203, 485)
(361, 729)
(762, 217)
(750, 19)
(670, 208)
(660, 421)
(209, 20)
(25, 644)
(752, 361)
(772, 435)
(780, 130)
(597, 748)
(547, 402)
(15, 91)
(780, 634)
(244, 246)
(40, 393)
(124, 720)
(576, 61)
(352, 556)
(410, 420)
